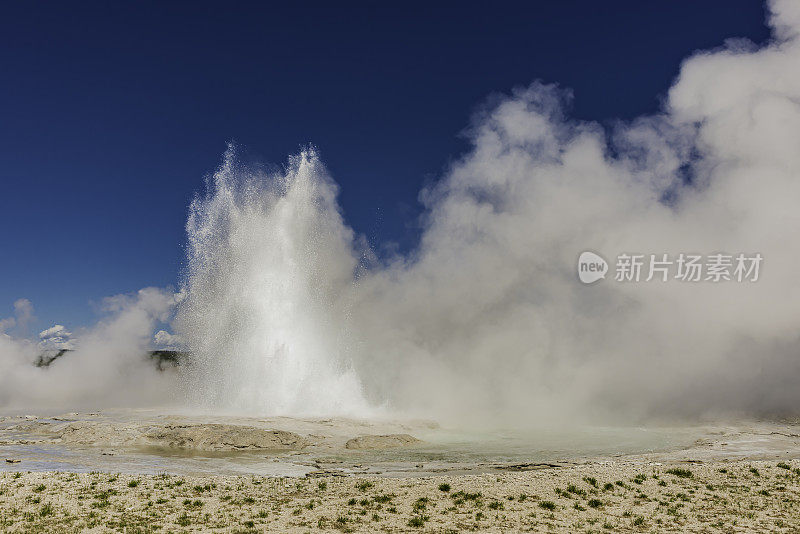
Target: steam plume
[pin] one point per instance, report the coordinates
(285, 310)
(487, 317)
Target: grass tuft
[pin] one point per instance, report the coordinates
(679, 472)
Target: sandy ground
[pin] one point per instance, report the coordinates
(144, 472)
(737, 496)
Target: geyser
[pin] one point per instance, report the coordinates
(486, 316)
(271, 266)
(285, 310)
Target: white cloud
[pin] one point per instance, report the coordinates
(23, 310)
(165, 339)
(56, 338)
(7, 323)
(54, 331)
(23, 315)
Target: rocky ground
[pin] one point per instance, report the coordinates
(614, 496)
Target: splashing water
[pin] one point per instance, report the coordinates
(270, 271)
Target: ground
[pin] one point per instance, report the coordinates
(147, 471)
(624, 496)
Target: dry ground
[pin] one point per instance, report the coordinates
(623, 496)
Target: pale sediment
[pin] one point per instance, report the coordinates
(389, 441)
(200, 437)
(130, 430)
(719, 496)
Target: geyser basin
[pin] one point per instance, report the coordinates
(151, 442)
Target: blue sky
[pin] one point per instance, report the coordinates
(111, 114)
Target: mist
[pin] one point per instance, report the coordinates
(284, 309)
(107, 366)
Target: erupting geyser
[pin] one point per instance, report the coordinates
(269, 289)
(285, 310)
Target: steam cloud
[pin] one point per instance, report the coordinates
(108, 367)
(286, 310)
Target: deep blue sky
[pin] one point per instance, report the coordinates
(111, 113)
